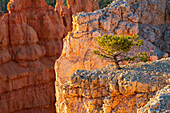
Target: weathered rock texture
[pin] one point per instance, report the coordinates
(116, 19)
(159, 104)
(108, 90)
(73, 7)
(30, 42)
(154, 21)
(78, 45)
(1, 13)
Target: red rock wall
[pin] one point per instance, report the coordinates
(73, 7)
(30, 41)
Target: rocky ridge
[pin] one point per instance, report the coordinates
(107, 90)
(158, 104)
(78, 45)
(116, 19)
(154, 21)
(30, 41)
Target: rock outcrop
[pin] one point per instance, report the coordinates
(159, 104)
(78, 45)
(108, 90)
(154, 21)
(30, 41)
(73, 7)
(116, 19)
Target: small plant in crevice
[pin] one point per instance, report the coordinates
(115, 47)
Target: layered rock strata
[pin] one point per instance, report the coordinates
(108, 90)
(30, 41)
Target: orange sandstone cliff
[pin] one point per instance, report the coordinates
(73, 7)
(30, 41)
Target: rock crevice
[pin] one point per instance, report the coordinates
(108, 90)
(30, 41)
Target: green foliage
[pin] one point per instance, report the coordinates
(104, 3)
(113, 46)
(143, 57)
(65, 2)
(51, 2)
(3, 5)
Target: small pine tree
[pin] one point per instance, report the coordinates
(112, 47)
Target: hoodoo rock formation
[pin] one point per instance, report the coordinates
(30, 41)
(73, 7)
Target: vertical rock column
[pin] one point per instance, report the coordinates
(30, 41)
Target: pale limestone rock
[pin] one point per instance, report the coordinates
(96, 34)
(107, 89)
(92, 25)
(105, 24)
(160, 103)
(82, 27)
(118, 18)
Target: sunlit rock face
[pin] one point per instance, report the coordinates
(79, 44)
(30, 41)
(108, 90)
(73, 7)
(116, 19)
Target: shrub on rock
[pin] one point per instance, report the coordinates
(115, 47)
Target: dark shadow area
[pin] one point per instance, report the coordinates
(51, 2)
(3, 6)
(104, 3)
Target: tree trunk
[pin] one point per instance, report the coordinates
(117, 63)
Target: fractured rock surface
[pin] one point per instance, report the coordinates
(154, 21)
(78, 45)
(107, 90)
(73, 7)
(29, 44)
(30, 41)
(158, 104)
(116, 19)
